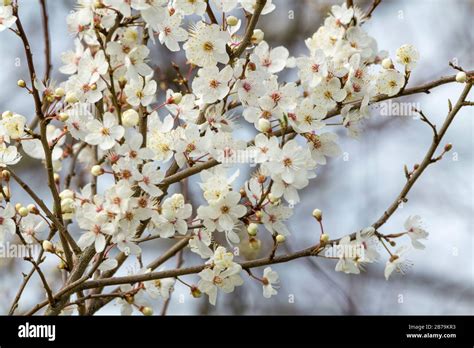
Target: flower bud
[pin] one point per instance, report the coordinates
(176, 97)
(56, 178)
(59, 92)
(317, 214)
(18, 206)
(67, 205)
(122, 82)
(7, 114)
(257, 36)
(21, 83)
(387, 63)
(272, 198)
(6, 175)
(461, 77)
(195, 292)
(129, 298)
(280, 238)
(23, 211)
(71, 98)
(232, 21)
(448, 147)
(130, 118)
(61, 265)
(97, 170)
(48, 246)
(32, 209)
(264, 125)
(255, 243)
(258, 214)
(147, 311)
(252, 229)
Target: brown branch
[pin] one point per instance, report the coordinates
(179, 263)
(312, 251)
(210, 13)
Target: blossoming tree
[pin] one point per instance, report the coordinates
(104, 121)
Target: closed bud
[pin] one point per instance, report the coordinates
(252, 229)
(448, 147)
(32, 209)
(176, 97)
(387, 63)
(7, 114)
(93, 86)
(130, 118)
(23, 211)
(195, 292)
(129, 298)
(97, 170)
(257, 36)
(258, 214)
(18, 206)
(274, 200)
(147, 311)
(21, 83)
(66, 194)
(255, 243)
(61, 265)
(59, 92)
(461, 77)
(122, 82)
(280, 238)
(56, 178)
(324, 238)
(71, 98)
(48, 246)
(317, 214)
(232, 21)
(264, 125)
(67, 205)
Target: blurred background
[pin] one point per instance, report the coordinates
(352, 191)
